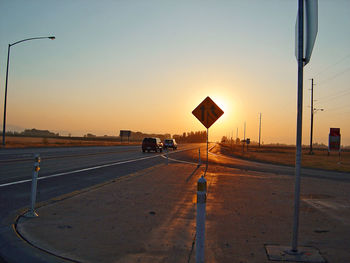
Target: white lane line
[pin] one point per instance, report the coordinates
(237, 158)
(250, 162)
(179, 161)
(90, 168)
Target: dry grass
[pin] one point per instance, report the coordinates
(24, 142)
(286, 155)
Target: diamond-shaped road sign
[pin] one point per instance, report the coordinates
(207, 112)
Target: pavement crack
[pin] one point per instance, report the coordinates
(192, 248)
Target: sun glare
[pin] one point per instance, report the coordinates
(222, 103)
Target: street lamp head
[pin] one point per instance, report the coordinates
(316, 110)
(52, 37)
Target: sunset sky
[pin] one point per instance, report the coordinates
(145, 65)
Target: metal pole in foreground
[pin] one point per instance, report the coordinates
(31, 212)
(7, 70)
(299, 126)
(200, 220)
(5, 100)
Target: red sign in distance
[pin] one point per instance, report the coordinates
(334, 139)
(334, 132)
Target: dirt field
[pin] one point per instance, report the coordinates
(23, 142)
(286, 155)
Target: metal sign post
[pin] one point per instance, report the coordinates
(299, 126)
(303, 53)
(207, 112)
(284, 253)
(206, 166)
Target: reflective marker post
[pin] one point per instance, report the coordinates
(167, 156)
(31, 212)
(199, 157)
(200, 220)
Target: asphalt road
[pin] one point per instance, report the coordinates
(218, 158)
(67, 169)
(64, 170)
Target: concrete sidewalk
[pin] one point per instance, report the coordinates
(149, 216)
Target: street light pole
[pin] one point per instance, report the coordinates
(5, 101)
(7, 72)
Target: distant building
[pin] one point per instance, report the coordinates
(38, 133)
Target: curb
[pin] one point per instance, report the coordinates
(14, 248)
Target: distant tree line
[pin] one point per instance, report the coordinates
(189, 137)
(138, 136)
(186, 137)
(224, 139)
(32, 133)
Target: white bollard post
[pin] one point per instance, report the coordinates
(167, 156)
(31, 212)
(200, 220)
(199, 157)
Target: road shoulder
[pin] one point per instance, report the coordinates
(123, 220)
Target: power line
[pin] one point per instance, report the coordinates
(338, 108)
(332, 65)
(334, 76)
(334, 96)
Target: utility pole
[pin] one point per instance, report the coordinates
(244, 136)
(236, 134)
(313, 111)
(312, 114)
(259, 129)
(244, 130)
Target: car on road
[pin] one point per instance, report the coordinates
(170, 143)
(152, 144)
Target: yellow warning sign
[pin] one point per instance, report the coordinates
(207, 112)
